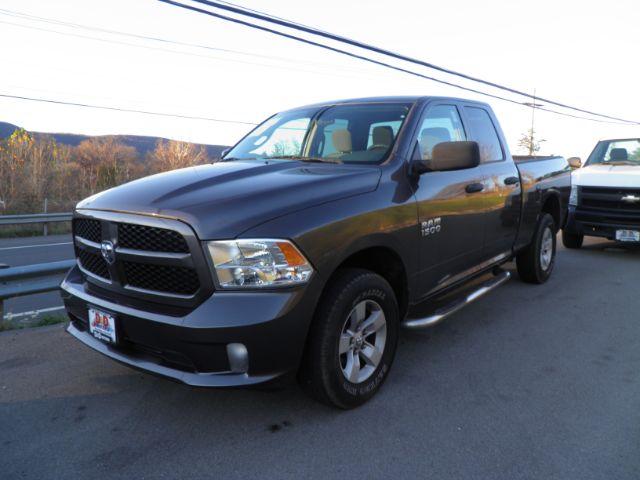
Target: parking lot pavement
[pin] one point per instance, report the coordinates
(16, 252)
(531, 382)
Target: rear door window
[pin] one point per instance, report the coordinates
(484, 132)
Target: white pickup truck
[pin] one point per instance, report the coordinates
(605, 194)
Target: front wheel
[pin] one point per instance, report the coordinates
(536, 263)
(352, 340)
(572, 240)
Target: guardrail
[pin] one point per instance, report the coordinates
(30, 279)
(34, 218)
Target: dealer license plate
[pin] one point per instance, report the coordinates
(102, 325)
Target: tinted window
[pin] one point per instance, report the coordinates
(440, 124)
(327, 147)
(380, 132)
(357, 133)
(484, 132)
(353, 133)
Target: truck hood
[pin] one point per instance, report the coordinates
(622, 176)
(224, 199)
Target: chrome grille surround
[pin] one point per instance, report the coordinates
(172, 272)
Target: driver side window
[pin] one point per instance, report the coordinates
(441, 124)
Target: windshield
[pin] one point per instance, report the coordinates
(358, 133)
(616, 152)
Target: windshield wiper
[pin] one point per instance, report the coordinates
(309, 159)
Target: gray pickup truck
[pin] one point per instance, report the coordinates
(321, 233)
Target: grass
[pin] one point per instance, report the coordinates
(50, 320)
(43, 321)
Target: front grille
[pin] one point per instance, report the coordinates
(88, 229)
(603, 198)
(142, 237)
(93, 263)
(159, 264)
(179, 280)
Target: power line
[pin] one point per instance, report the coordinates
(147, 47)
(52, 21)
(59, 22)
(128, 110)
(338, 38)
(261, 28)
(27, 16)
(370, 60)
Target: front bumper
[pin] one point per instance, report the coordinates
(600, 223)
(194, 347)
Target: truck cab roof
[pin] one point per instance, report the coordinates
(390, 99)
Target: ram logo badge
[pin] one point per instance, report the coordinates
(431, 226)
(108, 252)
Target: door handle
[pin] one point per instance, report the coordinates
(474, 187)
(511, 181)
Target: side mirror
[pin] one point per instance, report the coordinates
(450, 156)
(224, 152)
(575, 162)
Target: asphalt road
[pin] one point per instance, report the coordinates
(16, 252)
(531, 382)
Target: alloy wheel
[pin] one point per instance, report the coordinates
(362, 341)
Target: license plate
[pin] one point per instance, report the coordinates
(102, 325)
(628, 235)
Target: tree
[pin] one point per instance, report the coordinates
(285, 148)
(13, 153)
(172, 154)
(105, 162)
(31, 170)
(530, 143)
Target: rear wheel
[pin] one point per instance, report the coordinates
(572, 240)
(352, 340)
(536, 263)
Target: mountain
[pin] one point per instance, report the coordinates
(141, 143)
(6, 129)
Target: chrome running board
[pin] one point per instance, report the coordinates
(458, 304)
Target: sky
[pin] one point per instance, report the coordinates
(582, 53)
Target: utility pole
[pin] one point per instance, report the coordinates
(533, 120)
(532, 139)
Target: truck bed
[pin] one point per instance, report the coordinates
(534, 158)
(541, 176)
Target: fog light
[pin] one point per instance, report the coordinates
(238, 357)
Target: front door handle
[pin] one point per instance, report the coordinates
(474, 187)
(511, 181)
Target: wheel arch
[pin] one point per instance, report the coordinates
(387, 263)
(552, 205)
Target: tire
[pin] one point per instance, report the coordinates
(572, 240)
(340, 367)
(536, 263)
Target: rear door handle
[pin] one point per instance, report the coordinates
(474, 187)
(511, 181)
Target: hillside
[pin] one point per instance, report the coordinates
(141, 143)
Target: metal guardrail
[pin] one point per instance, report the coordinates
(31, 279)
(34, 218)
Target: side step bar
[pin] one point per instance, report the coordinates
(458, 304)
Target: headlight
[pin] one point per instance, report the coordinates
(258, 263)
(573, 197)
